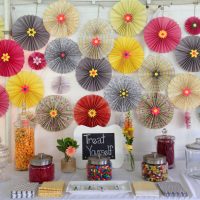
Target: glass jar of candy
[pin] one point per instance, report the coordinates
(41, 168)
(165, 146)
(99, 169)
(154, 167)
(192, 153)
(24, 141)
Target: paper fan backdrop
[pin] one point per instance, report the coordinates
(62, 55)
(25, 88)
(96, 39)
(92, 110)
(155, 111)
(4, 101)
(156, 73)
(192, 25)
(184, 91)
(30, 32)
(162, 34)
(128, 17)
(92, 74)
(60, 85)
(1, 28)
(37, 61)
(126, 56)
(54, 113)
(122, 93)
(61, 18)
(188, 53)
(11, 58)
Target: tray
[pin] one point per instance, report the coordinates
(90, 187)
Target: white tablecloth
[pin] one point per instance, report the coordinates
(192, 186)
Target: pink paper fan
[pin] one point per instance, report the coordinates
(11, 58)
(162, 34)
(4, 101)
(192, 25)
(37, 61)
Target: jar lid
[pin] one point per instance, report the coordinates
(41, 160)
(98, 160)
(164, 136)
(154, 158)
(3, 149)
(195, 145)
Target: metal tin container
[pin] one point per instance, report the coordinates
(192, 153)
(154, 167)
(41, 168)
(99, 168)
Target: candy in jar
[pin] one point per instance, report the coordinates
(99, 169)
(154, 167)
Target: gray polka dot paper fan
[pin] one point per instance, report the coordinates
(188, 53)
(122, 93)
(54, 113)
(156, 73)
(96, 39)
(155, 111)
(93, 74)
(30, 32)
(62, 55)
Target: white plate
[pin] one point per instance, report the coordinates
(90, 187)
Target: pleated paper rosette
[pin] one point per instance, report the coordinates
(62, 55)
(192, 25)
(37, 61)
(128, 17)
(156, 73)
(126, 56)
(54, 113)
(4, 101)
(60, 85)
(61, 18)
(1, 28)
(96, 39)
(92, 110)
(11, 58)
(154, 111)
(122, 93)
(30, 32)
(25, 88)
(162, 34)
(184, 91)
(188, 53)
(93, 74)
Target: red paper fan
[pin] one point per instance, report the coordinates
(162, 34)
(4, 101)
(37, 61)
(192, 25)
(92, 110)
(11, 58)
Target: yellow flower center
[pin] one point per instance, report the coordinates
(53, 113)
(162, 34)
(93, 73)
(31, 32)
(92, 113)
(5, 57)
(194, 53)
(123, 93)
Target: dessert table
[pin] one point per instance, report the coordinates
(192, 186)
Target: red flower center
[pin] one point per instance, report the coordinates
(25, 89)
(128, 17)
(194, 25)
(126, 54)
(155, 111)
(61, 18)
(62, 55)
(96, 41)
(187, 92)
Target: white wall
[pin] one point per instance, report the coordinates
(144, 138)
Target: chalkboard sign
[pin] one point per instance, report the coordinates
(98, 144)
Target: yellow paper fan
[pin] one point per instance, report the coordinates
(128, 17)
(127, 55)
(1, 28)
(61, 18)
(25, 87)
